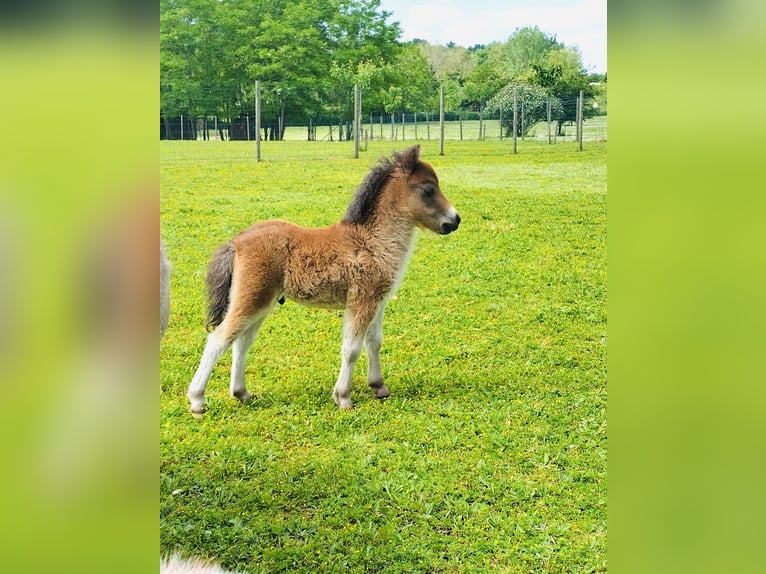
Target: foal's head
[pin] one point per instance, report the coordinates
(421, 195)
(403, 186)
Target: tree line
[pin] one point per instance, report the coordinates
(308, 55)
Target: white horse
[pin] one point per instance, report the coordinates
(177, 565)
(164, 288)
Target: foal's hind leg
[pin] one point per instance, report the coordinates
(217, 343)
(372, 342)
(239, 349)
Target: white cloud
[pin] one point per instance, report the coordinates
(577, 23)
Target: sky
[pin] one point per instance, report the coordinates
(575, 23)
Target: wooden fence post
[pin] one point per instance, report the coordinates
(579, 119)
(441, 120)
(257, 121)
(515, 117)
(356, 120)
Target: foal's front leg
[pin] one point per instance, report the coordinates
(372, 342)
(355, 324)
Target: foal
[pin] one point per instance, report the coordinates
(356, 264)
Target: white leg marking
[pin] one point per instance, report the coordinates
(372, 342)
(239, 349)
(350, 350)
(215, 347)
(164, 289)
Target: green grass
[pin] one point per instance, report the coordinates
(490, 455)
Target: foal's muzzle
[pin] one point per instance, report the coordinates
(450, 225)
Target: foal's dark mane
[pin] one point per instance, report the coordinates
(363, 203)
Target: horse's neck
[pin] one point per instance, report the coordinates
(393, 236)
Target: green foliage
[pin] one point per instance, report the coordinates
(483, 83)
(447, 63)
(490, 456)
(561, 72)
(419, 89)
(533, 100)
(525, 48)
(212, 52)
(308, 54)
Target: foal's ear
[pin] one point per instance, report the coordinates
(410, 158)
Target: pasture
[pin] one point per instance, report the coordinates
(490, 454)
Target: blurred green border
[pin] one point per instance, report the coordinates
(685, 274)
(686, 264)
(78, 184)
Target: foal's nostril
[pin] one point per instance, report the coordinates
(449, 227)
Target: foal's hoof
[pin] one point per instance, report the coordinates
(342, 402)
(197, 410)
(380, 389)
(197, 406)
(243, 396)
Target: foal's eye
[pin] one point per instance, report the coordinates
(428, 190)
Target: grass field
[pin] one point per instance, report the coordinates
(490, 455)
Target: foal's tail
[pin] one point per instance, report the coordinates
(218, 280)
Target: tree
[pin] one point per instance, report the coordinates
(289, 54)
(212, 51)
(447, 62)
(481, 84)
(562, 75)
(598, 85)
(526, 47)
(532, 99)
(414, 76)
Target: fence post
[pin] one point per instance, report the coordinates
(356, 120)
(182, 127)
(579, 119)
(515, 117)
(441, 119)
(257, 120)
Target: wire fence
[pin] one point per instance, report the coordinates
(215, 136)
